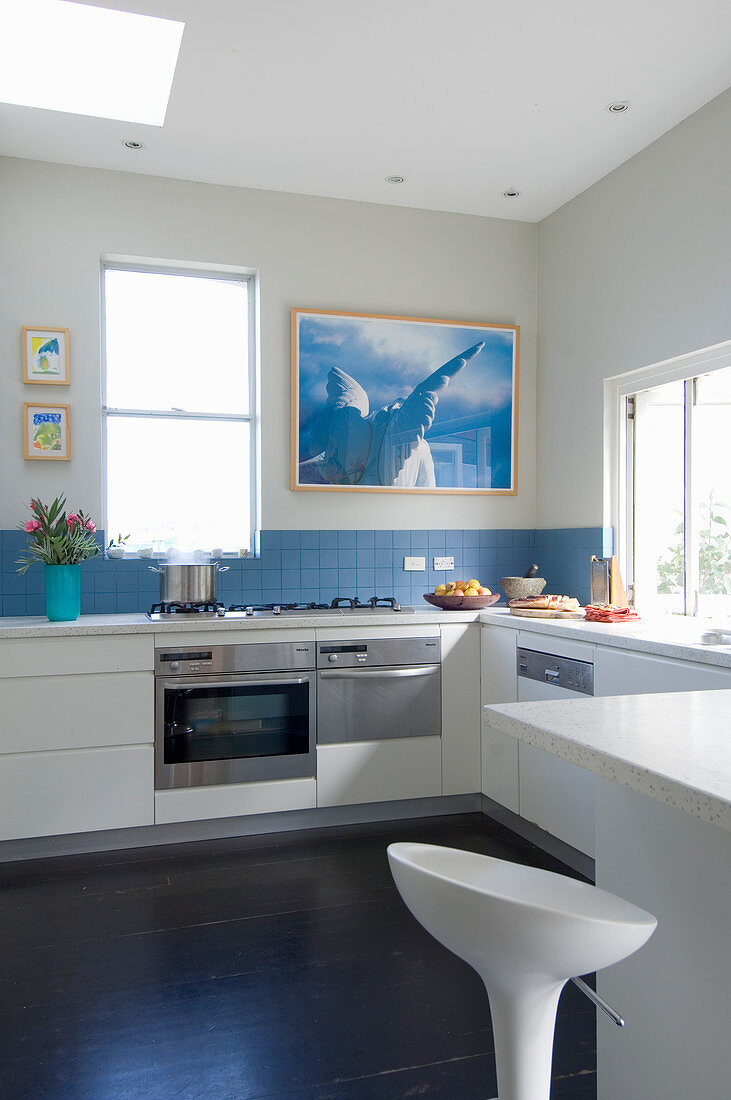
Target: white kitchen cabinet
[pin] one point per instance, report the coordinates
(41, 713)
(499, 682)
(460, 708)
(618, 672)
(234, 800)
(78, 655)
(51, 793)
(379, 771)
(557, 796)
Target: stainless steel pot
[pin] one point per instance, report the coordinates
(189, 583)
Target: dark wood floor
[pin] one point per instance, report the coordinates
(277, 968)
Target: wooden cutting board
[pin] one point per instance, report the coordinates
(544, 613)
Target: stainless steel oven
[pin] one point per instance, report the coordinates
(234, 713)
(379, 688)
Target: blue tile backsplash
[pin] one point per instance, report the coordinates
(299, 566)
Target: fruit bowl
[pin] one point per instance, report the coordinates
(463, 603)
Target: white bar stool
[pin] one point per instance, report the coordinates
(526, 932)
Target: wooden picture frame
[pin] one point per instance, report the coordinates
(46, 432)
(46, 356)
(395, 404)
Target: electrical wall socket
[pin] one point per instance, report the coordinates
(415, 565)
(444, 563)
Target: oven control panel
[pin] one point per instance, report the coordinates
(223, 659)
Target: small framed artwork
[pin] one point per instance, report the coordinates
(403, 404)
(46, 431)
(46, 356)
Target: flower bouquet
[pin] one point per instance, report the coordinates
(58, 538)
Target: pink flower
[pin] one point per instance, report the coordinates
(71, 519)
(33, 525)
(90, 526)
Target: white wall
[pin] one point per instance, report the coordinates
(633, 271)
(57, 221)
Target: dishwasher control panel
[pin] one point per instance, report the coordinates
(563, 672)
(379, 651)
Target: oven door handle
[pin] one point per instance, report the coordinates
(378, 673)
(233, 682)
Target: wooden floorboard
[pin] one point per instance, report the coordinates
(263, 968)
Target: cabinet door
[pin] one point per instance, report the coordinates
(619, 673)
(498, 665)
(557, 796)
(52, 793)
(460, 726)
(379, 771)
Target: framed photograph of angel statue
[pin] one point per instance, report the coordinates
(403, 404)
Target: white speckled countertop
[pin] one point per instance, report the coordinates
(667, 636)
(674, 747)
(30, 626)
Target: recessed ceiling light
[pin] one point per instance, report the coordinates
(83, 60)
(133, 144)
(511, 194)
(618, 108)
(395, 179)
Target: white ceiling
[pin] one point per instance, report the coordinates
(464, 98)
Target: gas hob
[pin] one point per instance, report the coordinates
(166, 612)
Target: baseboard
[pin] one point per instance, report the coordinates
(253, 825)
(572, 857)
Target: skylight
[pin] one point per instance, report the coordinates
(83, 60)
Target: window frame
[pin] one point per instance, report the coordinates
(224, 273)
(619, 445)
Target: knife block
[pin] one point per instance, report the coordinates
(606, 584)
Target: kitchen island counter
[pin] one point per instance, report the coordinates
(673, 747)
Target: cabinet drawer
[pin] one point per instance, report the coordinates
(379, 771)
(233, 800)
(51, 793)
(75, 712)
(66, 656)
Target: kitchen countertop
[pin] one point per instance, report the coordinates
(673, 747)
(666, 636)
(38, 626)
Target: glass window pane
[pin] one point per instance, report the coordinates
(712, 492)
(178, 483)
(176, 342)
(659, 499)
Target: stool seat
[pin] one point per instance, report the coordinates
(525, 931)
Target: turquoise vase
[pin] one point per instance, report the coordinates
(63, 592)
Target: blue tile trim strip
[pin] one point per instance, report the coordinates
(317, 565)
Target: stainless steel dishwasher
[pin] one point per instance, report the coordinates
(379, 688)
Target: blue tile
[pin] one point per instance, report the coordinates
(35, 604)
(420, 540)
(290, 559)
(310, 540)
(365, 559)
(454, 540)
(271, 579)
(384, 580)
(127, 580)
(271, 595)
(383, 558)
(522, 538)
(310, 559)
(104, 603)
(346, 559)
(270, 540)
(346, 540)
(366, 579)
(328, 559)
(328, 540)
(13, 584)
(364, 540)
(14, 605)
(504, 539)
(309, 595)
(127, 602)
(14, 541)
(290, 595)
(470, 538)
(383, 540)
(105, 582)
(290, 540)
(271, 559)
(401, 540)
(34, 581)
(329, 581)
(346, 582)
(437, 540)
(310, 578)
(488, 539)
